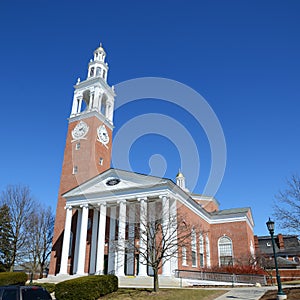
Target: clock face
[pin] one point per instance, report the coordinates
(113, 181)
(80, 130)
(102, 133)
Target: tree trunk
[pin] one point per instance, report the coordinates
(41, 271)
(155, 280)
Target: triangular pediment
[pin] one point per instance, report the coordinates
(117, 181)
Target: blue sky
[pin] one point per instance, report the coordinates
(243, 57)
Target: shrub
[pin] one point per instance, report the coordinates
(13, 278)
(50, 287)
(86, 288)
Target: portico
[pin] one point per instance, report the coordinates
(116, 222)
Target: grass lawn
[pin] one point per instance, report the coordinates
(164, 294)
(291, 282)
(292, 294)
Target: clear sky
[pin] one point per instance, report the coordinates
(243, 57)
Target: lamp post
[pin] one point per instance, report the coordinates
(280, 293)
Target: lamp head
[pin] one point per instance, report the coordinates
(270, 225)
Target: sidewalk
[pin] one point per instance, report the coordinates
(249, 293)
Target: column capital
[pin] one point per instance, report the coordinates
(68, 207)
(121, 201)
(84, 206)
(140, 199)
(162, 196)
(102, 204)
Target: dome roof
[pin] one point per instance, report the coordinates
(100, 49)
(179, 174)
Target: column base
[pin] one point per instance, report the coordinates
(281, 297)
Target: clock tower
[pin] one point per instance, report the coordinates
(89, 140)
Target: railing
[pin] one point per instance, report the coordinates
(224, 277)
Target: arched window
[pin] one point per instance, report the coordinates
(201, 250)
(207, 251)
(92, 71)
(194, 248)
(225, 251)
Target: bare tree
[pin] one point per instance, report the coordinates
(40, 233)
(287, 206)
(21, 205)
(161, 236)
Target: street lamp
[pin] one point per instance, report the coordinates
(280, 293)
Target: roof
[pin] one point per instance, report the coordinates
(114, 184)
(291, 245)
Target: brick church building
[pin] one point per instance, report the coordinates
(98, 206)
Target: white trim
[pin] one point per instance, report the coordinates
(222, 237)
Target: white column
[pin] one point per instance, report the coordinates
(143, 237)
(94, 241)
(91, 102)
(112, 237)
(66, 242)
(152, 217)
(100, 102)
(173, 219)
(101, 240)
(74, 105)
(78, 226)
(121, 239)
(107, 109)
(130, 247)
(166, 268)
(82, 242)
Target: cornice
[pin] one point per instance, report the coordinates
(88, 114)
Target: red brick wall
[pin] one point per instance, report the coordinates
(240, 233)
(87, 161)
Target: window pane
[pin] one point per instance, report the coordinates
(10, 294)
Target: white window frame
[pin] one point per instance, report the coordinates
(194, 248)
(201, 250)
(207, 242)
(222, 244)
(75, 170)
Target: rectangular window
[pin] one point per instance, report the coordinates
(101, 161)
(77, 147)
(201, 260)
(194, 258)
(75, 170)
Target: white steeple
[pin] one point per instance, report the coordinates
(180, 180)
(94, 94)
(98, 66)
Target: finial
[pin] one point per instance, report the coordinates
(78, 80)
(100, 44)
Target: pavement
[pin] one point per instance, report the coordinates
(249, 293)
(246, 292)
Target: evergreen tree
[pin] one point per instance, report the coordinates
(5, 238)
